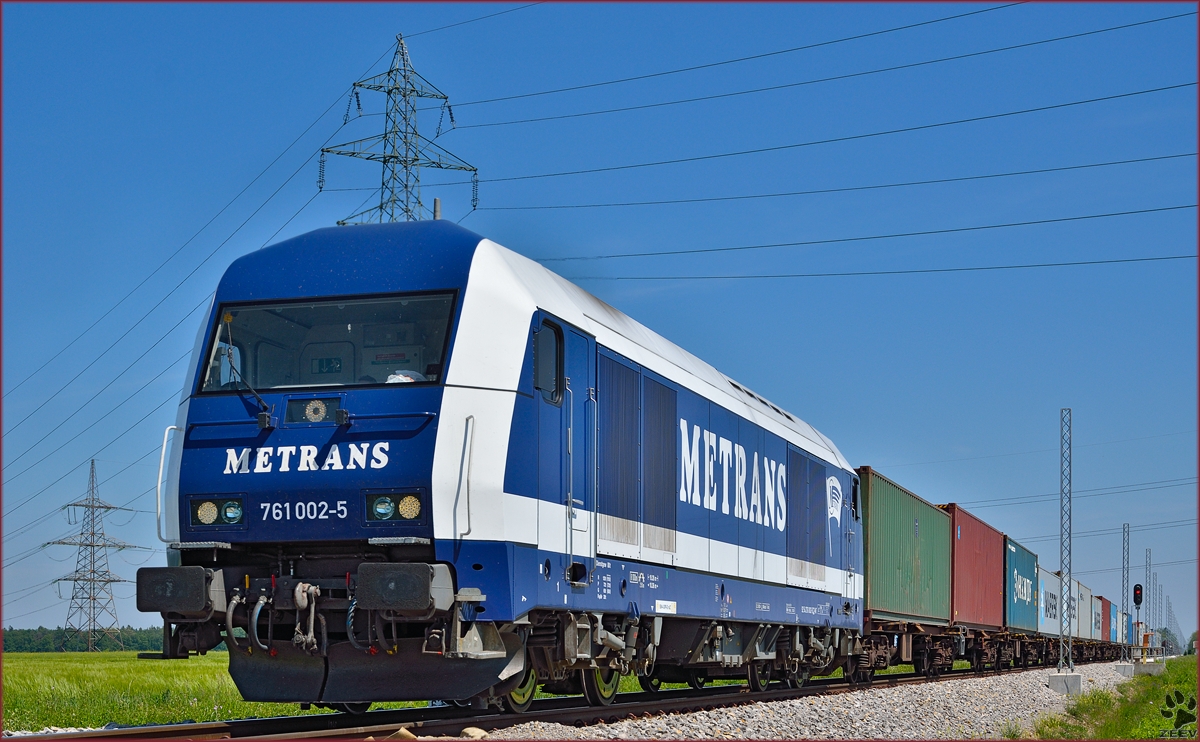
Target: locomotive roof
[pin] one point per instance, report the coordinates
(430, 255)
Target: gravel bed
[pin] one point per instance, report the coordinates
(957, 708)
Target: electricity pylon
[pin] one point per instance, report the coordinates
(92, 610)
(401, 150)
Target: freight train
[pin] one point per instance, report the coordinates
(409, 463)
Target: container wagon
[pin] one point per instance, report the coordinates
(906, 553)
(1021, 595)
(977, 588)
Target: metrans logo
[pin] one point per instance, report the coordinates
(281, 458)
(767, 502)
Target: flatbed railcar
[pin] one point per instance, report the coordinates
(411, 464)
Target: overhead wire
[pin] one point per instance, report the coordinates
(1043, 450)
(1111, 531)
(22, 503)
(737, 60)
(997, 502)
(1135, 567)
(93, 398)
(844, 189)
(904, 272)
(833, 140)
(832, 78)
(869, 238)
(472, 20)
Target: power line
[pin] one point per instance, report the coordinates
(55, 511)
(473, 20)
(1000, 502)
(1140, 566)
(1041, 450)
(869, 238)
(99, 420)
(737, 60)
(14, 508)
(914, 271)
(1113, 531)
(834, 78)
(833, 140)
(821, 191)
(128, 367)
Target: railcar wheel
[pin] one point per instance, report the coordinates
(696, 680)
(600, 686)
(650, 683)
(797, 680)
(758, 674)
(519, 699)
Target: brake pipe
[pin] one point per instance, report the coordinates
(262, 600)
(350, 626)
(229, 637)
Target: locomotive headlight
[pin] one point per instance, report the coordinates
(224, 512)
(410, 507)
(206, 513)
(383, 508)
(231, 511)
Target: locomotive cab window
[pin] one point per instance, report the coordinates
(548, 362)
(343, 342)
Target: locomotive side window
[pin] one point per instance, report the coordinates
(343, 342)
(548, 361)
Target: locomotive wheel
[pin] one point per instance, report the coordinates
(650, 683)
(759, 676)
(600, 686)
(798, 680)
(696, 680)
(519, 699)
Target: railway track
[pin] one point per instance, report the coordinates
(450, 721)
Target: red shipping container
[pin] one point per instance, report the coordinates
(1105, 618)
(976, 571)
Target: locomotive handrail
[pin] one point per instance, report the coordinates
(162, 455)
(570, 472)
(464, 470)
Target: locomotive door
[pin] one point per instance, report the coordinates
(564, 376)
(579, 385)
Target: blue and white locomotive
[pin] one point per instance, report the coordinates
(412, 464)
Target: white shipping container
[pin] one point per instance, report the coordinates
(1081, 611)
(1048, 602)
(1097, 620)
(1122, 629)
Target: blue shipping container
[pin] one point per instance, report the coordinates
(1112, 622)
(1020, 587)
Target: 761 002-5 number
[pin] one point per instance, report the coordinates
(302, 510)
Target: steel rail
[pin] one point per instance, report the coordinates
(451, 720)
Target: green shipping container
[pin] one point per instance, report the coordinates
(906, 548)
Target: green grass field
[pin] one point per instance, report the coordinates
(1133, 711)
(77, 689)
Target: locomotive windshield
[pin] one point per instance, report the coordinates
(394, 340)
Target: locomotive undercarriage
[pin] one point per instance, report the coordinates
(313, 626)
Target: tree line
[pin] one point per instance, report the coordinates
(43, 639)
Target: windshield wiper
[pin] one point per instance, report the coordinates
(264, 417)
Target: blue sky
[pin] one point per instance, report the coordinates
(127, 128)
